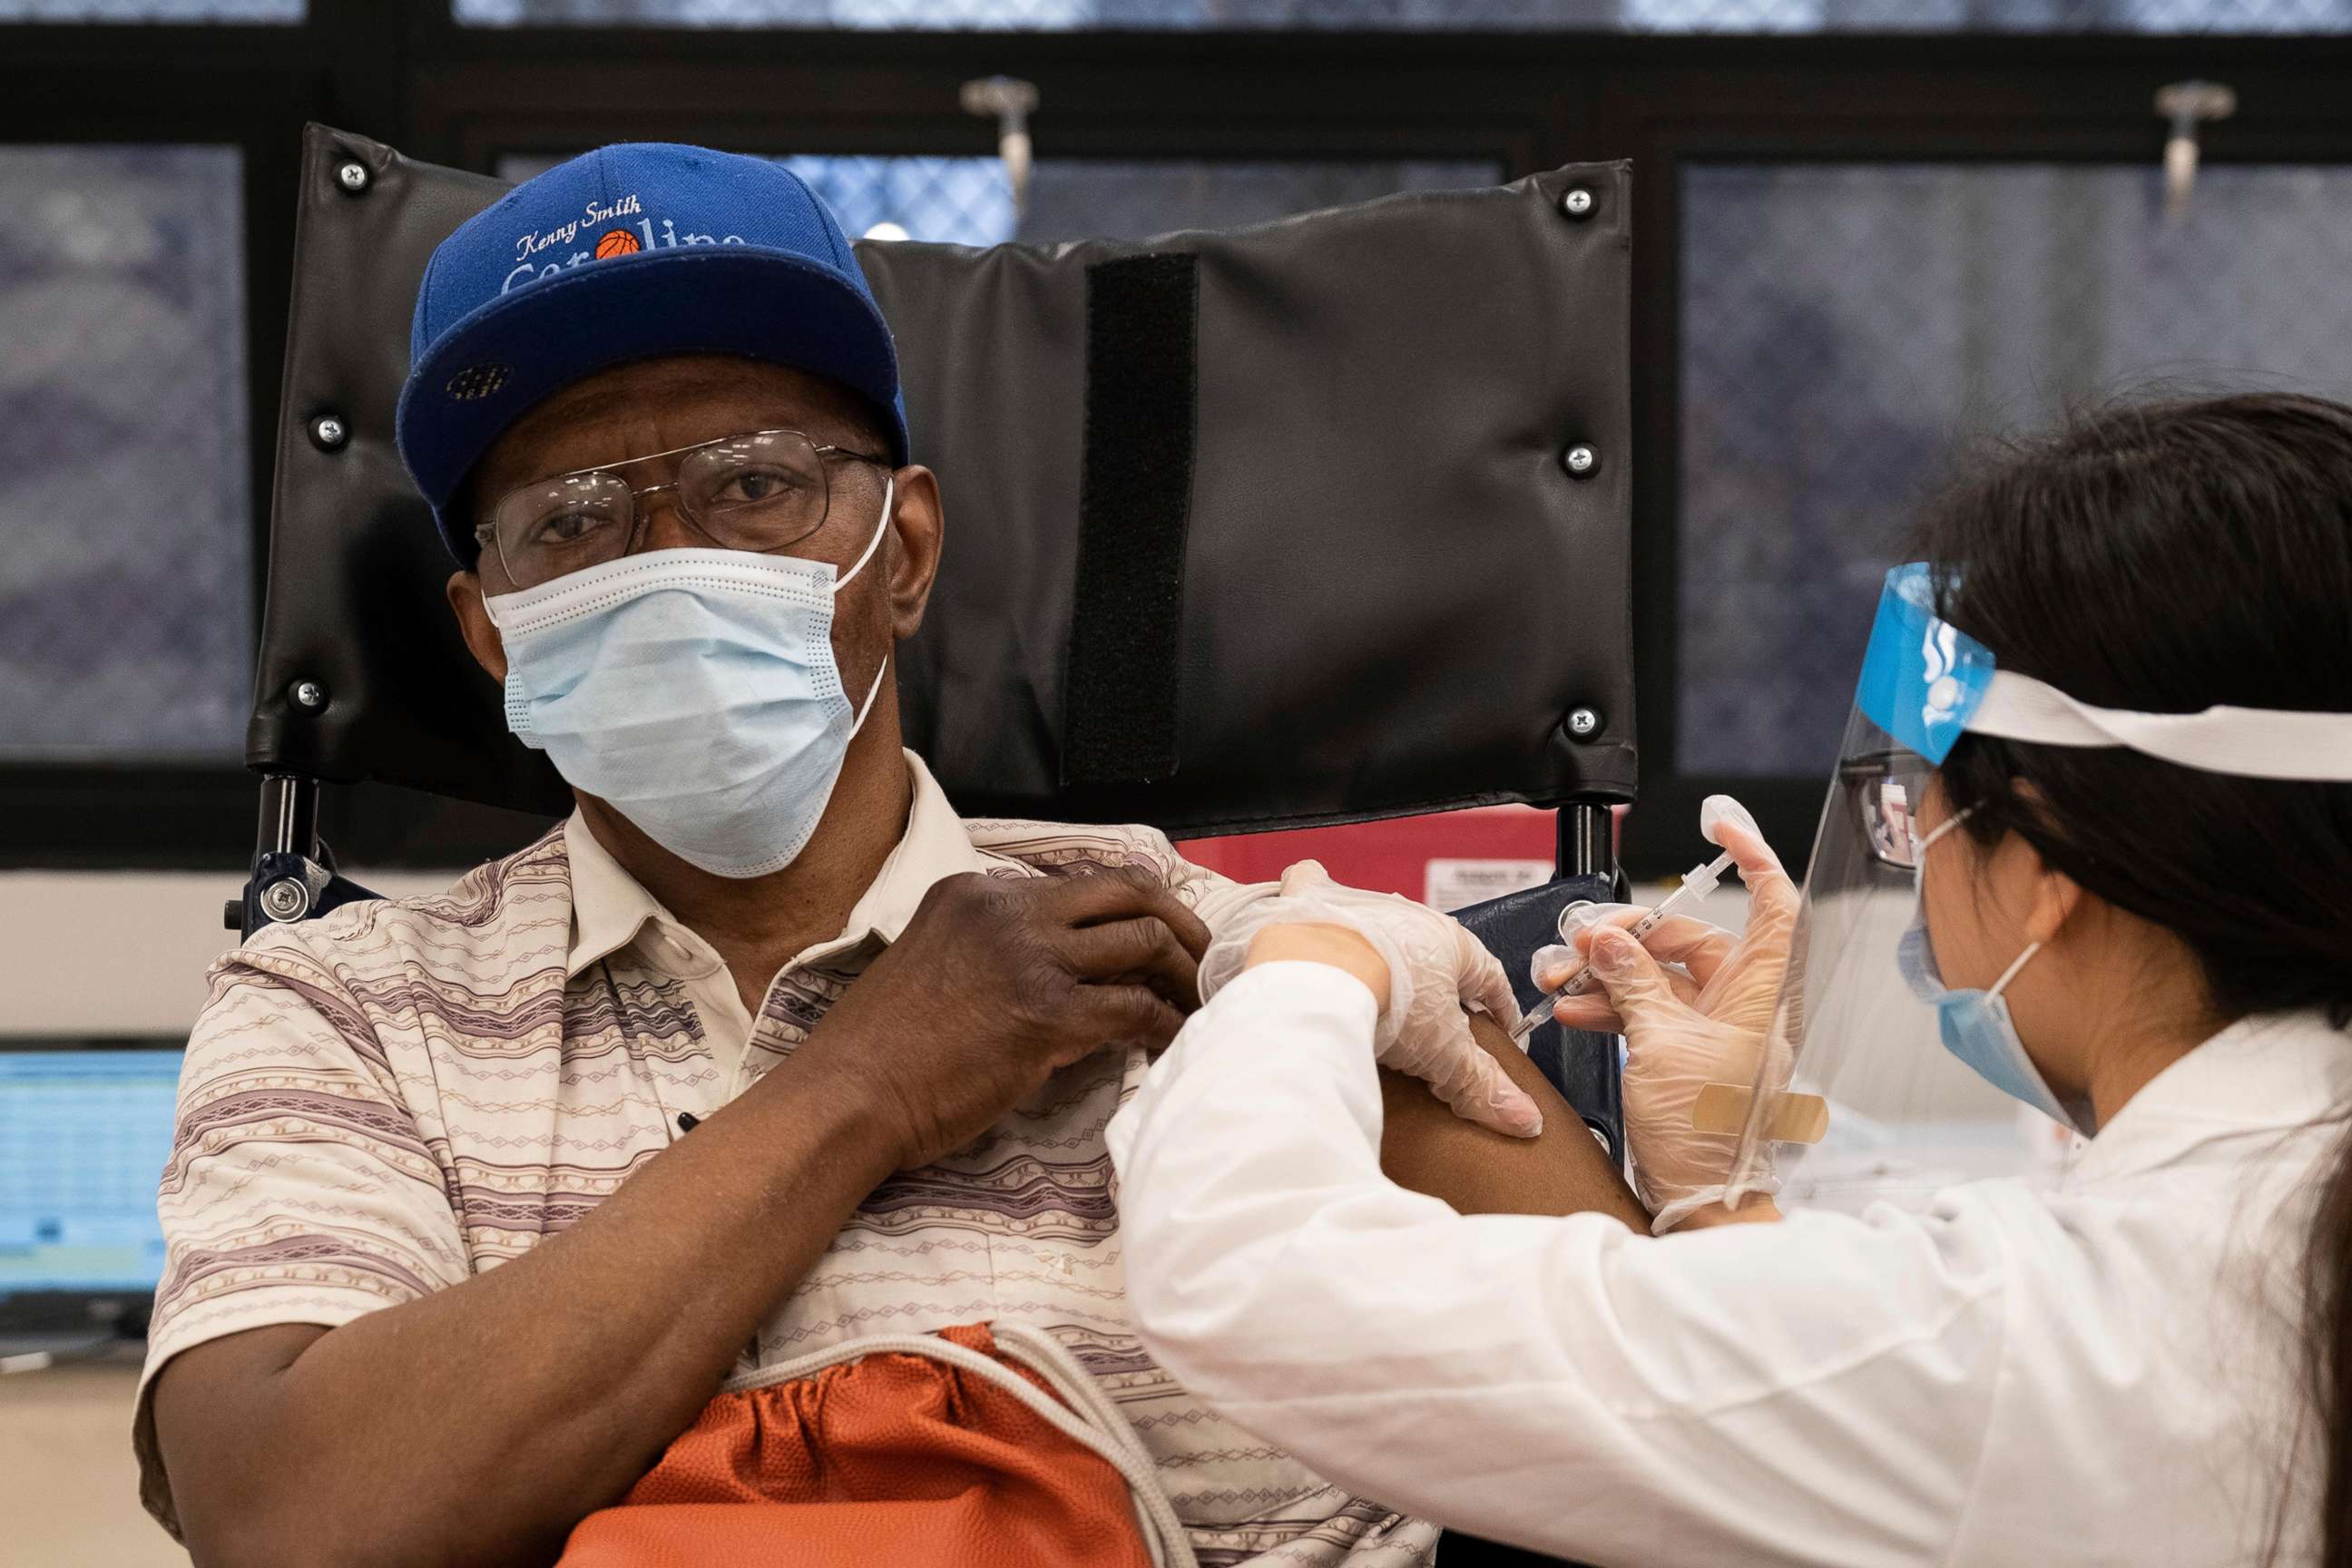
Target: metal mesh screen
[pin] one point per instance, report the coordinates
(1631, 15)
(125, 590)
(1845, 328)
(1070, 199)
(278, 11)
(968, 201)
(955, 201)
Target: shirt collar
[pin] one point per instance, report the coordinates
(2270, 1073)
(610, 907)
(935, 846)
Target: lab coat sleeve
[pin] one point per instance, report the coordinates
(1813, 1392)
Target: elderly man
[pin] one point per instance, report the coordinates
(477, 1198)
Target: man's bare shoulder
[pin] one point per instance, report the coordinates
(1564, 1170)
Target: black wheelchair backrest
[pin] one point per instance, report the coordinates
(1316, 521)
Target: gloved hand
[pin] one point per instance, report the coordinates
(1706, 1020)
(1436, 972)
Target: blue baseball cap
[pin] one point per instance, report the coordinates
(630, 251)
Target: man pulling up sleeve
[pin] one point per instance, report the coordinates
(447, 1271)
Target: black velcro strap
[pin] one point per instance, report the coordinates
(1119, 706)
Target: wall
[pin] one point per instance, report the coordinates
(103, 952)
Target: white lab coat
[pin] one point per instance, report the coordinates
(2101, 1374)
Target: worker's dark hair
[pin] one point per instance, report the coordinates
(2169, 557)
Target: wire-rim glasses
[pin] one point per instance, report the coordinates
(764, 491)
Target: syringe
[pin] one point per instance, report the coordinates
(1697, 882)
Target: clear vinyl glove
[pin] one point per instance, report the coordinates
(1695, 1003)
(1437, 973)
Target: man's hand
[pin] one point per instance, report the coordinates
(996, 984)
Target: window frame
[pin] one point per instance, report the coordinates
(411, 76)
(223, 85)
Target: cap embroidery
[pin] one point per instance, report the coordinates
(617, 242)
(476, 381)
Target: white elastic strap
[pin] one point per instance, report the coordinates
(2250, 743)
(2009, 974)
(889, 489)
(871, 693)
(1097, 1426)
(1941, 828)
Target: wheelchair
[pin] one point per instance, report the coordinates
(1320, 521)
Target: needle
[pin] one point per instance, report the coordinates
(1697, 882)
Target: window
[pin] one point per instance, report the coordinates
(1369, 15)
(1845, 325)
(125, 590)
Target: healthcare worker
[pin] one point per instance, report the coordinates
(2096, 809)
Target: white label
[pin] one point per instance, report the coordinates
(1457, 884)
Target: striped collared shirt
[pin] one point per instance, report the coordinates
(384, 1101)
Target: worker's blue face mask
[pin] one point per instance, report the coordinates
(693, 689)
(1975, 1025)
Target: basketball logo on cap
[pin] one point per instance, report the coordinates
(617, 242)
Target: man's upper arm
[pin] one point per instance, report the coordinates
(1426, 1147)
(299, 1189)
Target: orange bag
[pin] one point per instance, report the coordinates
(917, 1449)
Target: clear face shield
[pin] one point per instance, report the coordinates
(1877, 1079)
(1855, 1096)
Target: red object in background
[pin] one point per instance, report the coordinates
(1448, 860)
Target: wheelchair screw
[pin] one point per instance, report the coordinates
(1583, 723)
(286, 899)
(1580, 461)
(328, 433)
(353, 176)
(310, 695)
(1577, 203)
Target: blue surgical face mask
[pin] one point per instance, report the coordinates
(1975, 1025)
(694, 690)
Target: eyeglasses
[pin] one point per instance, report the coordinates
(1883, 791)
(763, 491)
